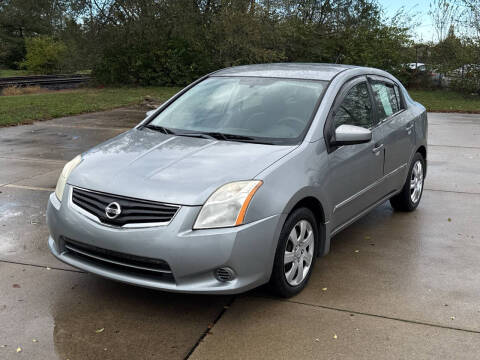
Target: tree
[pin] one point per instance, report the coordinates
(444, 14)
(25, 18)
(44, 55)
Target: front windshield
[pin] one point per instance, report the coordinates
(278, 110)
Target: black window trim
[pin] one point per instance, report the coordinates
(382, 79)
(328, 129)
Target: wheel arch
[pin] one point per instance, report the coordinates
(312, 203)
(422, 149)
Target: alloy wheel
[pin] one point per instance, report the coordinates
(299, 253)
(416, 182)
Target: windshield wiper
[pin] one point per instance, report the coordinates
(232, 137)
(244, 138)
(210, 135)
(160, 128)
(198, 135)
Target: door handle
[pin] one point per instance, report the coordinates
(378, 147)
(409, 127)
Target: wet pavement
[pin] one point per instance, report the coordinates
(396, 285)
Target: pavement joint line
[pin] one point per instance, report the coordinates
(210, 327)
(451, 191)
(41, 266)
(417, 322)
(455, 146)
(26, 187)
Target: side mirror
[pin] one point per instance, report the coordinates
(351, 135)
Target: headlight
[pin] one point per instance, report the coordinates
(227, 205)
(62, 180)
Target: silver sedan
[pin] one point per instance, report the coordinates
(241, 179)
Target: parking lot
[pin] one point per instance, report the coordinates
(395, 285)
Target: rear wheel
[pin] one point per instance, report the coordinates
(409, 198)
(296, 253)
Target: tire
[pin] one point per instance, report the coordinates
(301, 249)
(411, 194)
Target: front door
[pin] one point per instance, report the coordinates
(354, 170)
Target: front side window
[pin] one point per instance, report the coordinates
(355, 108)
(386, 100)
(249, 108)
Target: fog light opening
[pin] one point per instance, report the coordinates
(224, 274)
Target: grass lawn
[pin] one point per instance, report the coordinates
(446, 101)
(10, 73)
(24, 109)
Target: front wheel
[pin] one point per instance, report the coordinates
(296, 253)
(409, 198)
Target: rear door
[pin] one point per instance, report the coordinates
(396, 127)
(354, 170)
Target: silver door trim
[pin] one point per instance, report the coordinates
(359, 215)
(368, 188)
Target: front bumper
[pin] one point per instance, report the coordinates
(192, 255)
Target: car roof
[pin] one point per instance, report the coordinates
(305, 71)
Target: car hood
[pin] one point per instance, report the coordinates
(181, 170)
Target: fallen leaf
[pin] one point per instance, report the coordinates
(367, 237)
(449, 219)
(317, 339)
(49, 268)
(34, 340)
(3, 346)
(335, 336)
(324, 289)
(357, 251)
(98, 331)
(16, 286)
(452, 317)
(19, 349)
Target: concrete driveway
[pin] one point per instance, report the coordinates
(395, 286)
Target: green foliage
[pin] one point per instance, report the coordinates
(468, 81)
(44, 55)
(20, 19)
(168, 42)
(10, 72)
(175, 42)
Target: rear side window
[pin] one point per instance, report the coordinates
(399, 98)
(386, 99)
(355, 108)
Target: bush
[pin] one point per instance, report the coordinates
(44, 55)
(468, 83)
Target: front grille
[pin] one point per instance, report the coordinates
(133, 211)
(156, 269)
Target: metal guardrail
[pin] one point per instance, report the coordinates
(49, 81)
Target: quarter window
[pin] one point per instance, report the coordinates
(386, 100)
(355, 108)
